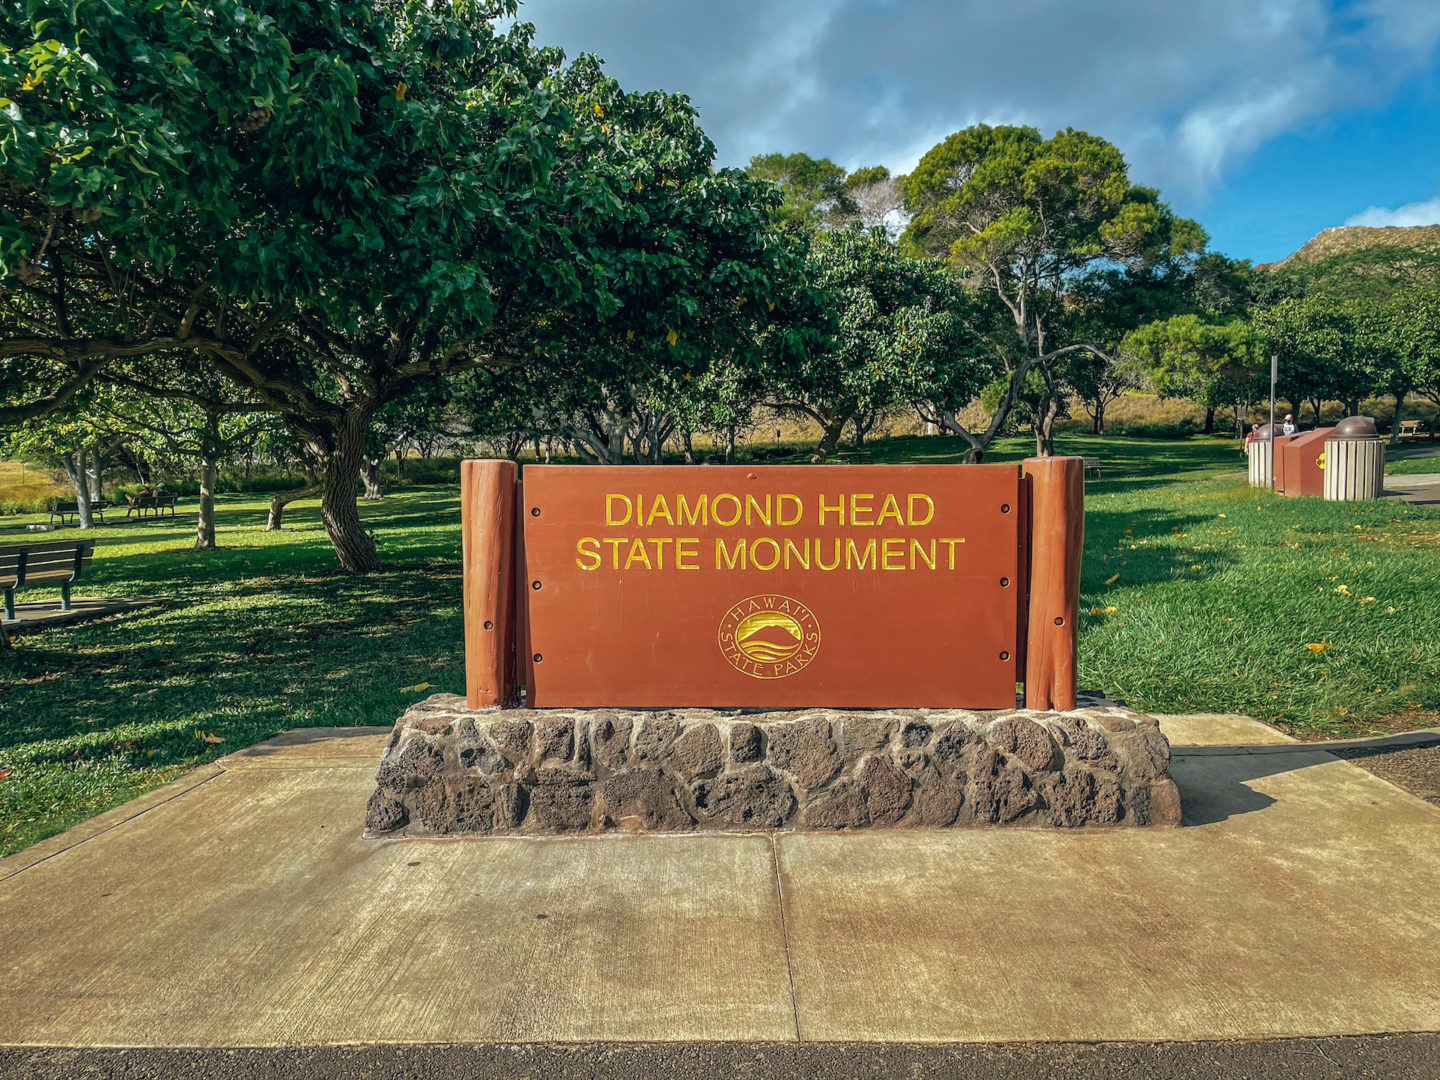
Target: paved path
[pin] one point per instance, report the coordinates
(1422, 489)
(240, 907)
(1387, 1057)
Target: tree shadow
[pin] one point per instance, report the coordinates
(1148, 563)
(1214, 780)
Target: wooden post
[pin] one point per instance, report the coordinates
(1057, 536)
(487, 529)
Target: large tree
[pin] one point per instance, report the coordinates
(1023, 217)
(1321, 345)
(398, 190)
(896, 334)
(1215, 364)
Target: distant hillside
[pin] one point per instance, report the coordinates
(1355, 261)
(1347, 239)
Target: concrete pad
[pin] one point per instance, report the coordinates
(102, 823)
(251, 912)
(1304, 899)
(241, 907)
(352, 747)
(1218, 729)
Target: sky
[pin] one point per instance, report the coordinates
(1266, 120)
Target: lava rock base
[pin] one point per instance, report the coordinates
(448, 770)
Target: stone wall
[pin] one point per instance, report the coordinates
(448, 770)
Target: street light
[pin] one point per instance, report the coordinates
(1274, 375)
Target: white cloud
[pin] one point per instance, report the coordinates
(1415, 213)
(1187, 90)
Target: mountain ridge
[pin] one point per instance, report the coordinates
(1345, 239)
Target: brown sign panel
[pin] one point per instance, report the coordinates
(1302, 471)
(780, 586)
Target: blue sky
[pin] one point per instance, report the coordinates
(1267, 120)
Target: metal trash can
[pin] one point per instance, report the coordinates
(1354, 461)
(1258, 451)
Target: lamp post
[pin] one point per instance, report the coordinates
(1274, 375)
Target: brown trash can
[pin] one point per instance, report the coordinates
(1258, 453)
(1354, 461)
(1298, 468)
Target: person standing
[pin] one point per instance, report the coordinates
(1250, 437)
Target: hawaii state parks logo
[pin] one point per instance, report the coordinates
(769, 636)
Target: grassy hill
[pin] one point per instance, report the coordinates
(1358, 261)
(1349, 239)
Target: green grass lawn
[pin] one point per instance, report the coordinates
(1205, 596)
(1410, 458)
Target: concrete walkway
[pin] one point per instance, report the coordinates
(1423, 489)
(241, 907)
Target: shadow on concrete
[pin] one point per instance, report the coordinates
(1214, 780)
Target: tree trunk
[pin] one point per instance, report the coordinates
(209, 471)
(1239, 420)
(1045, 428)
(1209, 421)
(205, 518)
(1097, 420)
(1316, 405)
(687, 445)
(93, 470)
(274, 521)
(730, 445)
(828, 441)
(339, 505)
(74, 465)
(400, 462)
(370, 474)
(1352, 407)
(1395, 420)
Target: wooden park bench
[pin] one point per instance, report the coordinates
(1412, 429)
(66, 511)
(1091, 465)
(56, 562)
(853, 457)
(150, 505)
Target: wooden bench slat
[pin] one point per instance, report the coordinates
(32, 576)
(46, 563)
(40, 547)
(61, 562)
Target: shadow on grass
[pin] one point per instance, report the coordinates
(1106, 548)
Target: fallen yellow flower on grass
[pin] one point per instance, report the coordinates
(1103, 611)
(209, 737)
(1367, 600)
(1112, 580)
(417, 688)
(1343, 590)
(1317, 646)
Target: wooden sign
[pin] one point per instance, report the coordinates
(782, 586)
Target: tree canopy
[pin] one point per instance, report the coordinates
(375, 195)
(1022, 217)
